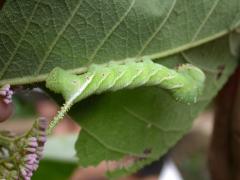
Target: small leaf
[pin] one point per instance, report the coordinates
(55, 170)
(60, 148)
(59, 162)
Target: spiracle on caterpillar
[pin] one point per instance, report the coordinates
(185, 83)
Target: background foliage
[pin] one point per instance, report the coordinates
(36, 36)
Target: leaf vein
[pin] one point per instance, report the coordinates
(110, 147)
(4, 69)
(58, 36)
(158, 29)
(138, 117)
(111, 31)
(205, 20)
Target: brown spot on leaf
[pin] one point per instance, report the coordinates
(147, 151)
(220, 70)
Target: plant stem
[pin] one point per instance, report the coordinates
(65, 108)
(224, 158)
(5, 140)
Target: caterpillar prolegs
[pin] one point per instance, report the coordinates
(185, 83)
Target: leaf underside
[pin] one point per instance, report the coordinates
(36, 36)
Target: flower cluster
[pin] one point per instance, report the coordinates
(6, 94)
(33, 150)
(7, 170)
(27, 152)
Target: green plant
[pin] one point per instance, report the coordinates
(38, 36)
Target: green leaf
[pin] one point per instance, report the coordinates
(59, 162)
(133, 122)
(36, 36)
(54, 170)
(60, 148)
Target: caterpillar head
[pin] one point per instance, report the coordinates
(193, 76)
(193, 72)
(61, 81)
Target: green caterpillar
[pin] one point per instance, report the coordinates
(185, 83)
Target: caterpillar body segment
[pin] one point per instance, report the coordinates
(185, 83)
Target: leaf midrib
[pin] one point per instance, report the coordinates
(80, 70)
(205, 20)
(41, 77)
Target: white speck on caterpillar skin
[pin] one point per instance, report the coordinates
(149, 125)
(195, 100)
